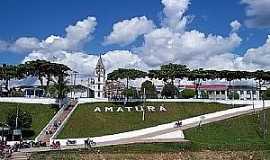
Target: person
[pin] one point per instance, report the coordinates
(178, 124)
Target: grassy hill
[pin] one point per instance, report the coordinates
(87, 123)
(239, 133)
(41, 115)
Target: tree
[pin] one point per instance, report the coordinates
(197, 76)
(188, 93)
(130, 92)
(169, 72)
(60, 73)
(8, 72)
(150, 89)
(127, 74)
(24, 119)
(37, 69)
(169, 91)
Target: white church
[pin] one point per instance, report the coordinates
(100, 79)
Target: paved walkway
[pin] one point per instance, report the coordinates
(19, 156)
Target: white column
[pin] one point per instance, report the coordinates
(245, 95)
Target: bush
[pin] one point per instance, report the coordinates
(266, 94)
(169, 91)
(235, 94)
(188, 93)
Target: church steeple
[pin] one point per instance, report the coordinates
(100, 66)
(100, 78)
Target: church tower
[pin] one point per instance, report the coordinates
(100, 79)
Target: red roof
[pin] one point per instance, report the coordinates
(214, 87)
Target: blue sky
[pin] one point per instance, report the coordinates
(40, 19)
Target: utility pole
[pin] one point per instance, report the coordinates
(74, 83)
(143, 112)
(264, 115)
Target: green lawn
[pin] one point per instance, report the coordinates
(87, 123)
(238, 133)
(41, 114)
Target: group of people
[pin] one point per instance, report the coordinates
(53, 128)
(7, 150)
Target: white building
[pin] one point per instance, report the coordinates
(100, 79)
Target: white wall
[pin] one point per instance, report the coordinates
(28, 100)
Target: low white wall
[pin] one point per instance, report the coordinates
(247, 102)
(91, 100)
(28, 100)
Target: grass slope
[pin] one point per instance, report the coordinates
(41, 114)
(239, 133)
(86, 123)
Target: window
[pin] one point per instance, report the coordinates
(222, 92)
(98, 86)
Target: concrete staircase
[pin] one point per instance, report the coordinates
(60, 117)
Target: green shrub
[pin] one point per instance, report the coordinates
(188, 93)
(235, 94)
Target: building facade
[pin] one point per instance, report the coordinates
(222, 92)
(114, 89)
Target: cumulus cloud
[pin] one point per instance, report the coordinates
(127, 31)
(174, 11)
(172, 42)
(85, 63)
(259, 56)
(191, 47)
(235, 25)
(258, 13)
(76, 36)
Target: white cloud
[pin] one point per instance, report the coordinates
(258, 13)
(259, 56)
(174, 11)
(235, 25)
(76, 36)
(127, 31)
(86, 63)
(25, 44)
(170, 43)
(191, 47)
